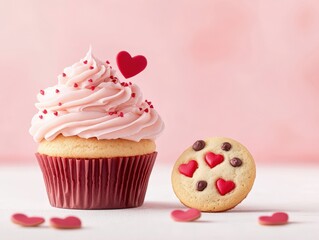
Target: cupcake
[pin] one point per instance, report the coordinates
(96, 138)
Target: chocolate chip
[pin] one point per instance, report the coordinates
(201, 185)
(236, 162)
(199, 145)
(226, 146)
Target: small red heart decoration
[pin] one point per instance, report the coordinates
(213, 159)
(66, 223)
(185, 216)
(278, 218)
(130, 66)
(224, 187)
(26, 221)
(189, 168)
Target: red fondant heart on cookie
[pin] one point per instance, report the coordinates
(66, 223)
(26, 221)
(130, 66)
(185, 216)
(213, 159)
(224, 187)
(189, 168)
(278, 218)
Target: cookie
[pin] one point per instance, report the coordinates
(213, 175)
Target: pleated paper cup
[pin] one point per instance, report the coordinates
(103, 183)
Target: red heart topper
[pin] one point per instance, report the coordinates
(130, 66)
(213, 159)
(278, 218)
(188, 169)
(26, 221)
(66, 223)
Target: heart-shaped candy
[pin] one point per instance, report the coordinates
(130, 66)
(278, 218)
(186, 216)
(26, 221)
(66, 223)
(224, 187)
(188, 169)
(213, 159)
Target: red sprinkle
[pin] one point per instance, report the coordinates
(45, 111)
(114, 81)
(141, 109)
(85, 62)
(60, 104)
(111, 113)
(92, 88)
(91, 67)
(107, 62)
(75, 85)
(57, 90)
(42, 92)
(41, 117)
(63, 74)
(130, 83)
(151, 106)
(121, 114)
(133, 95)
(90, 80)
(111, 77)
(55, 113)
(146, 110)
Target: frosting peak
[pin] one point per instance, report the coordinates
(88, 68)
(89, 101)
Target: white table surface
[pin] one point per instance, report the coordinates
(293, 189)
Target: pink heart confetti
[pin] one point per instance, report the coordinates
(186, 216)
(70, 222)
(278, 218)
(25, 221)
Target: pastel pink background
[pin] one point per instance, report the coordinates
(244, 69)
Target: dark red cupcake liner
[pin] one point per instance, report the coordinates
(105, 183)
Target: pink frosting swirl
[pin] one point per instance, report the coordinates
(89, 101)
